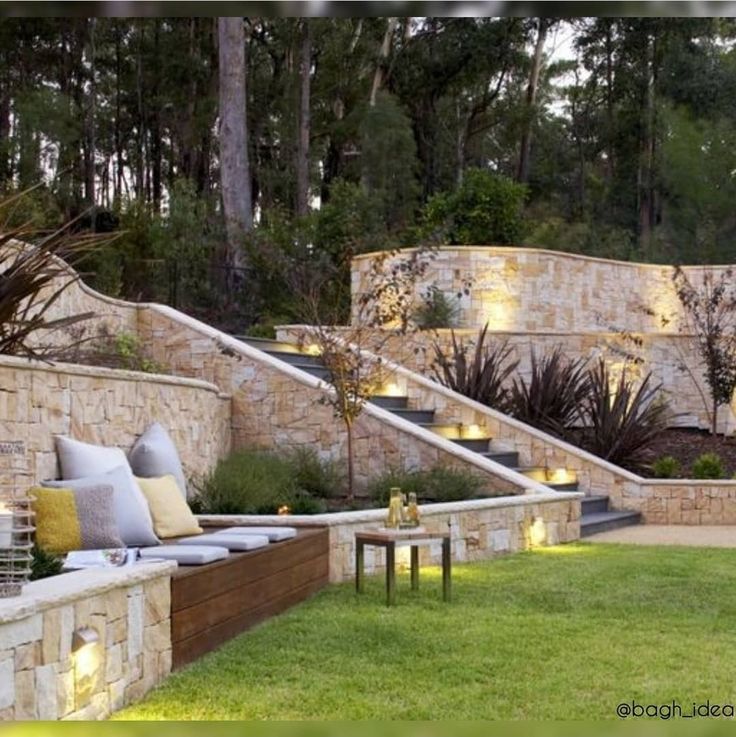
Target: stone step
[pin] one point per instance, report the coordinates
(602, 521)
(294, 359)
(508, 458)
(321, 372)
(593, 504)
(479, 445)
(420, 416)
(390, 402)
(268, 344)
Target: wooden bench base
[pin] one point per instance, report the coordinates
(212, 603)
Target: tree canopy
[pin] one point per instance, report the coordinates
(608, 136)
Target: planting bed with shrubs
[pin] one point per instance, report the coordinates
(685, 453)
(264, 482)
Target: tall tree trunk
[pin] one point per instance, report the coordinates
(645, 174)
(90, 127)
(118, 135)
(610, 166)
(379, 74)
(156, 117)
(140, 189)
(234, 168)
(522, 173)
(302, 153)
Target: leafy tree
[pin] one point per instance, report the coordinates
(485, 209)
(710, 317)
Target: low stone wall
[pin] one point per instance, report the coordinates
(683, 501)
(481, 529)
(105, 406)
(40, 676)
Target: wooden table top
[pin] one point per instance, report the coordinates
(386, 535)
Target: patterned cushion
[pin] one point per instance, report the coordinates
(75, 519)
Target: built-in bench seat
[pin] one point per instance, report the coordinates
(214, 602)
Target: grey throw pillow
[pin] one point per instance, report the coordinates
(154, 454)
(96, 515)
(132, 515)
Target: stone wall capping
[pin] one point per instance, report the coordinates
(336, 519)
(50, 593)
(104, 372)
(513, 250)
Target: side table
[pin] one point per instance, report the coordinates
(391, 539)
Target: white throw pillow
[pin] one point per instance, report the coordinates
(130, 508)
(78, 459)
(154, 454)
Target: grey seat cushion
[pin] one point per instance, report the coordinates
(132, 515)
(186, 555)
(274, 534)
(154, 454)
(231, 542)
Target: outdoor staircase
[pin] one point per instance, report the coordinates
(596, 516)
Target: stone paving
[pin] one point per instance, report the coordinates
(707, 536)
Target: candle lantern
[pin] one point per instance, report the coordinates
(16, 520)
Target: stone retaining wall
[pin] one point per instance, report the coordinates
(105, 406)
(519, 289)
(40, 676)
(672, 359)
(683, 502)
(276, 406)
(481, 529)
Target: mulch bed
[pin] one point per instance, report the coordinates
(687, 444)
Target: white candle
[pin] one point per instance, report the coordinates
(6, 526)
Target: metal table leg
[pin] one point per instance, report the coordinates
(390, 573)
(446, 569)
(414, 567)
(359, 573)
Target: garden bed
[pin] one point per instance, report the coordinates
(688, 444)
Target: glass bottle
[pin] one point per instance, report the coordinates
(412, 512)
(394, 508)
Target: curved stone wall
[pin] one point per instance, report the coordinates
(518, 289)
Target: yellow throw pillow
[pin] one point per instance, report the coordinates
(75, 519)
(169, 510)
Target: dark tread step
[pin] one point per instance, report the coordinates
(594, 503)
(297, 358)
(419, 416)
(268, 344)
(603, 521)
(390, 402)
(508, 458)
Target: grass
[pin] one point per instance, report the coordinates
(559, 633)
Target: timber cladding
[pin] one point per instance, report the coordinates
(211, 604)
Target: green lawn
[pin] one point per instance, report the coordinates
(560, 633)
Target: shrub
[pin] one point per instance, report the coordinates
(623, 419)
(246, 482)
(709, 466)
(483, 377)
(486, 208)
(552, 397)
(436, 310)
(316, 477)
(439, 484)
(666, 467)
(44, 565)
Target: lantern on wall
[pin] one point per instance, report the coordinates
(16, 520)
